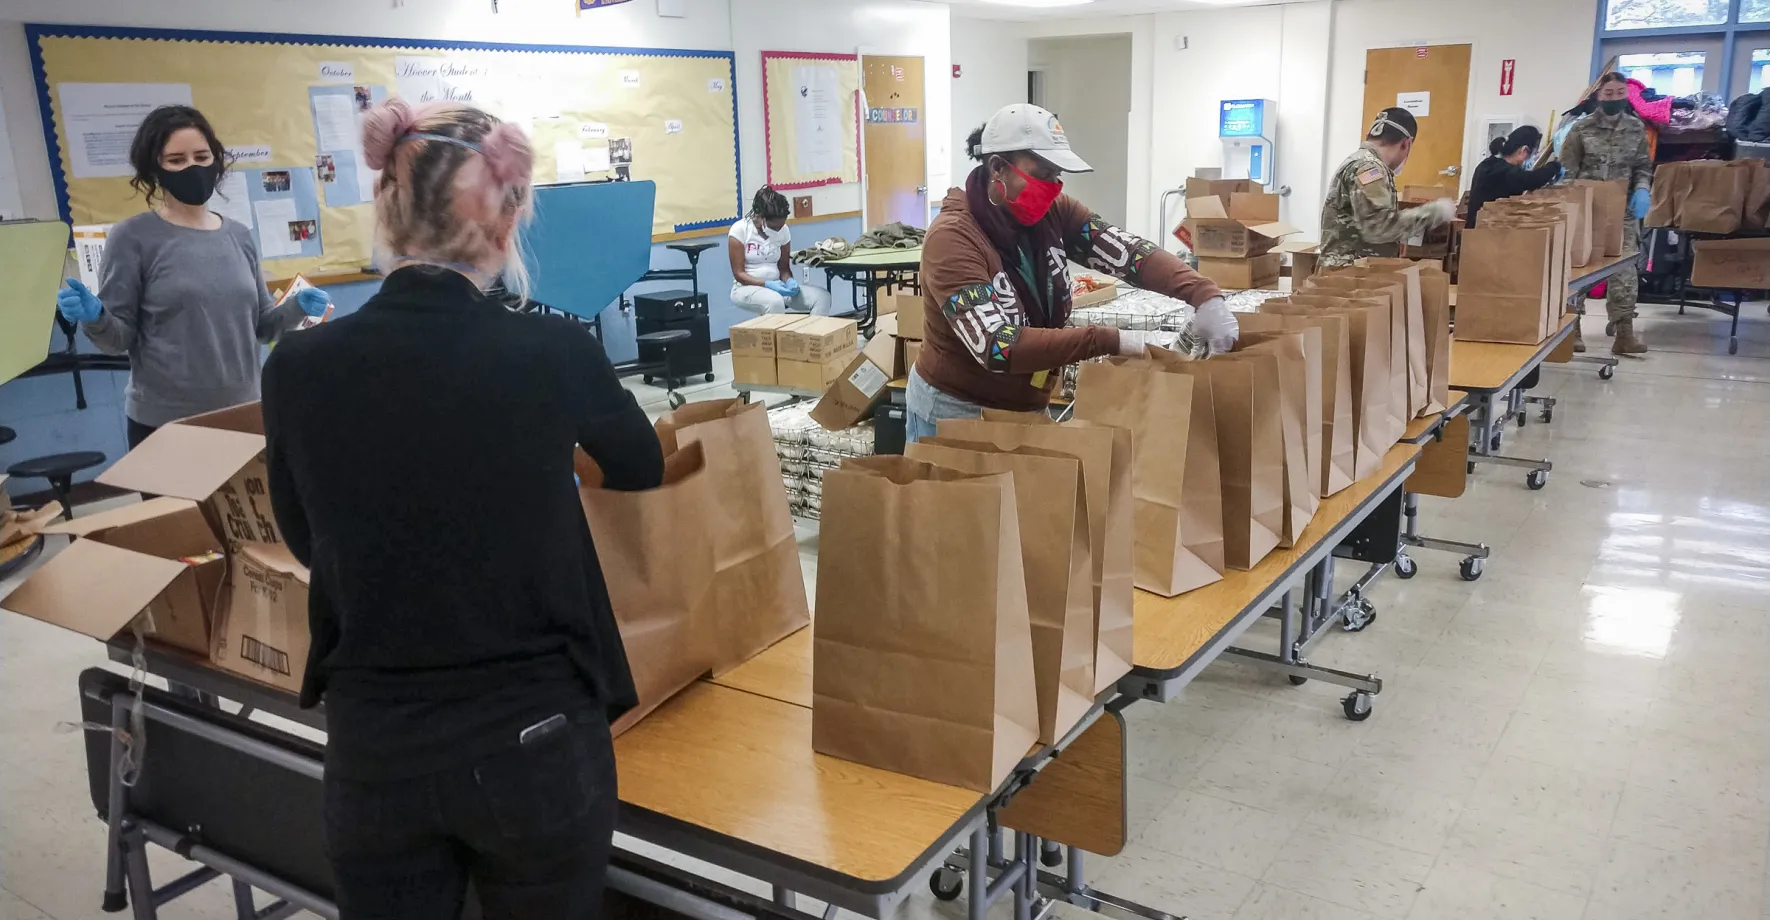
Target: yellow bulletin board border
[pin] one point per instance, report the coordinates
(780, 128)
(36, 32)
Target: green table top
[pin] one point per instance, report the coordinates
(869, 257)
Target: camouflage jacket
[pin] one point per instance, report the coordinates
(1361, 217)
(1603, 146)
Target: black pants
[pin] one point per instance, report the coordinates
(530, 826)
(138, 432)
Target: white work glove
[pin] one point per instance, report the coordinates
(1444, 210)
(1132, 342)
(1217, 325)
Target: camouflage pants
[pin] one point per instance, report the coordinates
(1619, 297)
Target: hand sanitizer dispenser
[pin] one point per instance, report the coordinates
(1247, 128)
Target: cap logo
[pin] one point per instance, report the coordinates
(1057, 134)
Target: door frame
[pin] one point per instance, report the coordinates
(1744, 43)
(1474, 133)
(861, 54)
(1713, 46)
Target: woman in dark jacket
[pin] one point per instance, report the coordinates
(420, 455)
(1502, 174)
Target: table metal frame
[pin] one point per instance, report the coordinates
(1474, 554)
(866, 278)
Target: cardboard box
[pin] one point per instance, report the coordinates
(1425, 193)
(215, 459)
(910, 323)
(755, 337)
(1305, 261)
(753, 369)
(902, 302)
(1742, 264)
(1212, 187)
(1242, 274)
(886, 351)
(155, 564)
(1247, 226)
(816, 340)
(1107, 289)
(911, 351)
(261, 632)
(808, 375)
(859, 387)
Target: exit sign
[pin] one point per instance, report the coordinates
(1507, 66)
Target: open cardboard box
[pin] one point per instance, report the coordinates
(1248, 226)
(155, 564)
(260, 633)
(215, 459)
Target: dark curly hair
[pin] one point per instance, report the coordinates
(150, 139)
(770, 204)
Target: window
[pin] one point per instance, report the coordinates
(1661, 14)
(1760, 70)
(1672, 73)
(1754, 10)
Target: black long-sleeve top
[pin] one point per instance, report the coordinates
(420, 456)
(1495, 179)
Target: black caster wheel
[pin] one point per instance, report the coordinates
(946, 891)
(1733, 347)
(1548, 416)
(1471, 468)
(1406, 567)
(677, 400)
(1522, 419)
(647, 379)
(1494, 442)
(1536, 479)
(1470, 568)
(1297, 680)
(1050, 854)
(1364, 617)
(707, 377)
(1606, 372)
(1357, 705)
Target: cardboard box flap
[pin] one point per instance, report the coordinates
(275, 557)
(1272, 229)
(1297, 246)
(245, 418)
(1258, 207)
(88, 524)
(184, 461)
(92, 588)
(1206, 209)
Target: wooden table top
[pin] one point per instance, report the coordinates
(741, 765)
(1489, 365)
(782, 672)
(1170, 630)
(1418, 429)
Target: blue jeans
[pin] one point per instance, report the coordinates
(925, 406)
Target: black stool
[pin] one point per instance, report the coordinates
(664, 367)
(59, 469)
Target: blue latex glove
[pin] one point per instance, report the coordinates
(792, 285)
(1638, 203)
(780, 287)
(77, 303)
(313, 301)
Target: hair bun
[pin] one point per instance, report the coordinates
(383, 126)
(508, 154)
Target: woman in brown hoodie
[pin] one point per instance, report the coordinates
(995, 280)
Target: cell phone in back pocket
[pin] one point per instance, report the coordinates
(542, 729)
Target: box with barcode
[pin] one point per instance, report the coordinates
(860, 386)
(261, 633)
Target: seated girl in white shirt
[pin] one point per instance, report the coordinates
(762, 276)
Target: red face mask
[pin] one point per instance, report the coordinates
(1035, 199)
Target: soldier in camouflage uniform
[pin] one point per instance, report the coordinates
(1361, 217)
(1611, 143)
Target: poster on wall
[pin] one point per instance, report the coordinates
(338, 136)
(818, 108)
(280, 205)
(101, 119)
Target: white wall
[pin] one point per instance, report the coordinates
(1087, 84)
(904, 27)
(992, 58)
(1550, 39)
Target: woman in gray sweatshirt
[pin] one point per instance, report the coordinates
(180, 289)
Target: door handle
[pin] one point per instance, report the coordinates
(1451, 171)
(921, 189)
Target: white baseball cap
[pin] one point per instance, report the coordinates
(1025, 127)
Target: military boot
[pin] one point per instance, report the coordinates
(1626, 343)
(1579, 341)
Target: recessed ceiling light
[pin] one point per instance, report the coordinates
(1038, 4)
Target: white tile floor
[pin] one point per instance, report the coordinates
(1583, 733)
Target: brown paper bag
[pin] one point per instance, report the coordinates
(1610, 206)
(1338, 433)
(1716, 200)
(758, 585)
(1406, 330)
(1435, 312)
(922, 657)
(1377, 419)
(1756, 215)
(1505, 279)
(1578, 198)
(1178, 508)
(1671, 182)
(1250, 450)
(1299, 368)
(657, 558)
(1106, 455)
(1051, 499)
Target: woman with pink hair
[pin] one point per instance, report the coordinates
(420, 455)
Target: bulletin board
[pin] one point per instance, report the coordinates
(811, 118)
(288, 108)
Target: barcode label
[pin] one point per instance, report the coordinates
(263, 655)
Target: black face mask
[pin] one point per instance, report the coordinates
(1614, 106)
(192, 185)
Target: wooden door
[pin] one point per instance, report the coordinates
(1433, 82)
(896, 141)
